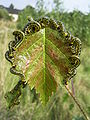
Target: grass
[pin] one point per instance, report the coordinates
(60, 107)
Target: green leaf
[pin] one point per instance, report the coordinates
(45, 56)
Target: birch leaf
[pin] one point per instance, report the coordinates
(44, 55)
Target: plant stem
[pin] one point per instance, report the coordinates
(73, 91)
(74, 98)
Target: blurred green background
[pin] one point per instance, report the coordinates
(61, 106)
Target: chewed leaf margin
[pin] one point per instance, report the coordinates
(35, 26)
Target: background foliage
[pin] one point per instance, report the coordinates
(60, 106)
(4, 14)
